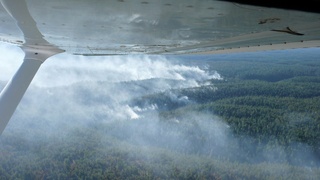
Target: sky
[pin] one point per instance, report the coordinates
(65, 69)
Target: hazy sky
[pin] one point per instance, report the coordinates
(64, 69)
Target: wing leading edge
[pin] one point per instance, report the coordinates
(166, 27)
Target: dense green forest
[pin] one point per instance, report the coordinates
(261, 121)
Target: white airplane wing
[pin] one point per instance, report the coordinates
(112, 27)
(119, 27)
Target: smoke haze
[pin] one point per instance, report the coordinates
(70, 91)
(99, 95)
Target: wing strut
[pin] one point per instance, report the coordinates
(13, 92)
(15, 89)
(36, 50)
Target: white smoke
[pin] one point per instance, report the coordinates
(68, 86)
(76, 92)
(65, 69)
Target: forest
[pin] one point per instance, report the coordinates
(261, 120)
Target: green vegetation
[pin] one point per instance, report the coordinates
(272, 105)
(90, 154)
(262, 121)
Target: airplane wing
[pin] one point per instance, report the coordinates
(168, 27)
(119, 27)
